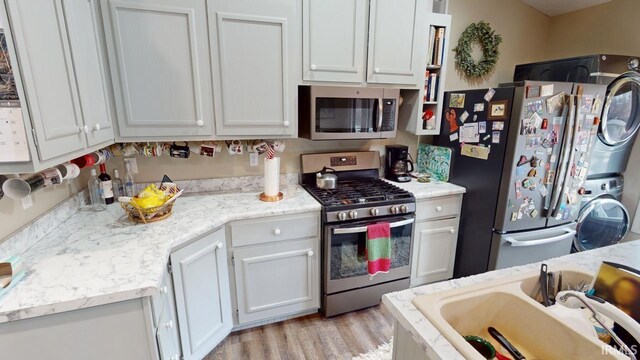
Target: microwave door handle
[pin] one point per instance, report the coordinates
(361, 229)
(380, 111)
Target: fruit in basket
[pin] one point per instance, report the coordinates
(150, 197)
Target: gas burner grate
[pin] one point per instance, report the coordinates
(359, 192)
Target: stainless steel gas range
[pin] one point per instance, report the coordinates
(360, 198)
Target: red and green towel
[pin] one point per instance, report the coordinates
(378, 251)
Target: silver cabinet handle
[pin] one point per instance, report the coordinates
(517, 243)
(361, 229)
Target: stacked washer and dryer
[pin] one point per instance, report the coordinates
(603, 219)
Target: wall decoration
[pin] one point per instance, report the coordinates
(481, 33)
(435, 161)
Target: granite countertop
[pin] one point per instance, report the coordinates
(437, 346)
(95, 258)
(430, 189)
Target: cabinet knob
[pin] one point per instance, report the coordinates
(310, 253)
(96, 127)
(276, 232)
(163, 290)
(84, 128)
(219, 245)
(376, 70)
(452, 230)
(286, 124)
(169, 324)
(438, 208)
(313, 66)
(175, 357)
(200, 123)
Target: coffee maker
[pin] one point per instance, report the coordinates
(397, 167)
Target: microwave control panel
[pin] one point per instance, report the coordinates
(388, 114)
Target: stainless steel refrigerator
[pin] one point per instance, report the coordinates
(523, 154)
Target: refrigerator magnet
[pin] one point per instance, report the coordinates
(553, 158)
(457, 101)
(586, 103)
(497, 125)
(464, 116)
(514, 216)
(543, 191)
(529, 184)
(532, 173)
(453, 137)
(475, 117)
(475, 151)
(555, 103)
(510, 203)
(485, 138)
(527, 126)
(533, 141)
(478, 107)
(549, 176)
(533, 213)
(546, 90)
(523, 160)
(545, 124)
(451, 117)
(595, 108)
(535, 161)
(534, 107)
(489, 94)
(498, 110)
(482, 127)
(470, 133)
(533, 91)
(495, 137)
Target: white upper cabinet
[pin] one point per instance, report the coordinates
(159, 58)
(42, 45)
(396, 35)
(85, 38)
(334, 40)
(255, 55)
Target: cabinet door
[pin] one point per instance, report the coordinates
(203, 302)
(434, 251)
(334, 41)
(396, 36)
(90, 68)
(41, 40)
(160, 66)
(277, 279)
(255, 56)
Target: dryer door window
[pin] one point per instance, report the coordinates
(621, 112)
(602, 222)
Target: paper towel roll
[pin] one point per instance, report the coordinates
(272, 176)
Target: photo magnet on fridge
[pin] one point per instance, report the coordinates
(469, 133)
(586, 103)
(489, 94)
(498, 110)
(482, 127)
(478, 107)
(533, 107)
(457, 101)
(497, 125)
(546, 90)
(495, 137)
(555, 103)
(453, 137)
(464, 116)
(475, 151)
(450, 115)
(543, 191)
(533, 91)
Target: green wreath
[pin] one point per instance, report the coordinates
(489, 41)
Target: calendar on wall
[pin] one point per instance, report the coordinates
(13, 136)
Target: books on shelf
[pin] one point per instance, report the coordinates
(435, 52)
(431, 86)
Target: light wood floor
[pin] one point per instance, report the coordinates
(310, 337)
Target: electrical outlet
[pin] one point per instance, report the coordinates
(253, 159)
(132, 163)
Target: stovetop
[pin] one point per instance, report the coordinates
(361, 191)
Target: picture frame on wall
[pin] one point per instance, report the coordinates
(498, 110)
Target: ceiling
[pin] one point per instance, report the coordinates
(559, 7)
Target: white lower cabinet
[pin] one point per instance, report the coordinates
(167, 332)
(435, 239)
(277, 279)
(202, 294)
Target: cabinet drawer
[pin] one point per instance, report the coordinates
(448, 206)
(167, 333)
(277, 228)
(159, 300)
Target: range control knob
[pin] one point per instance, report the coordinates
(394, 210)
(353, 214)
(404, 208)
(374, 212)
(342, 216)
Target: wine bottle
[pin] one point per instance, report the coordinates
(107, 185)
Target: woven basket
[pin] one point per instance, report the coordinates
(144, 216)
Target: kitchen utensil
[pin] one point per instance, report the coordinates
(543, 285)
(326, 179)
(506, 344)
(180, 151)
(482, 346)
(551, 292)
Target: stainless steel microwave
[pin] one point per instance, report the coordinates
(339, 113)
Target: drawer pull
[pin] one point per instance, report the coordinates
(175, 357)
(163, 290)
(219, 245)
(276, 232)
(310, 253)
(169, 324)
(313, 66)
(438, 208)
(452, 230)
(200, 123)
(286, 124)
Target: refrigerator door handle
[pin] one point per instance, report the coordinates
(555, 193)
(517, 243)
(575, 106)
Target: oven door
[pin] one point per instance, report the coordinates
(345, 266)
(352, 113)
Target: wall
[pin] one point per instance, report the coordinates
(13, 216)
(609, 28)
(524, 32)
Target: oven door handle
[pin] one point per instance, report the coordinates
(362, 229)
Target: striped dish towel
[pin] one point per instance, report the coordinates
(378, 251)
